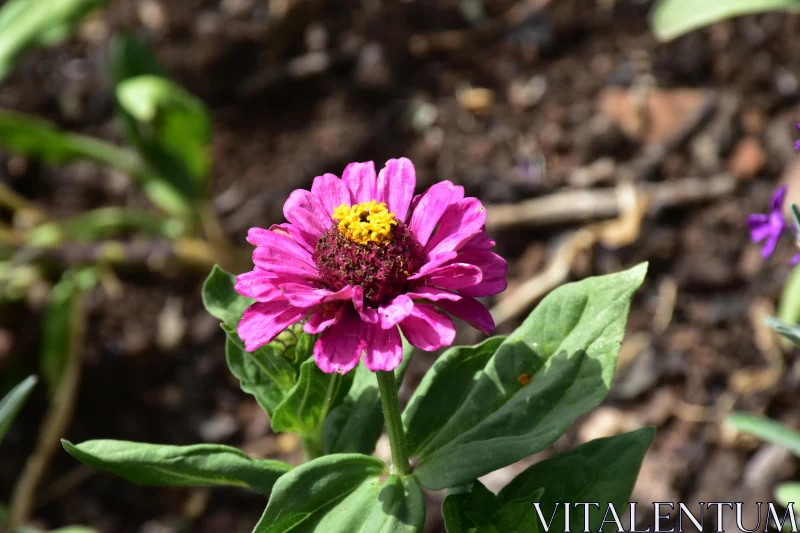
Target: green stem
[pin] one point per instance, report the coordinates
(394, 424)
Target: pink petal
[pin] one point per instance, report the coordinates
(258, 285)
(303, 238)
(430, 206)
(470, 311)
(479, 241)
(433, 263)
(366, 313)
(428, 329)
(262, 321)
(360, 180)
(304, 295)
(433, 294)
(279, 254)
(459, 223)
(339, 347)
(326, 316)
(305, 211)
(383, 349)
(396, 311)
(395, 186)
(494, 270)
(331, 192)
(455, 276)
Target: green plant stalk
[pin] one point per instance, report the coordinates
(394, 424)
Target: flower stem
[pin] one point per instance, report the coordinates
(394, 424)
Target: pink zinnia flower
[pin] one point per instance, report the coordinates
(362, 256)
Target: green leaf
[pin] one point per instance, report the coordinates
(305, 407)
(556, 366)
(60, 322)
(200, 465)
(344, 492)
(601, 471)
(443, 391)
(12, 402)
(43, 140)
(103, 223)
(787, 493)
(768, 430)
(478, 510)
(673, 18)
(220, 298)
(170, 128)
(264, 373)
(788, 331)
(27, 23)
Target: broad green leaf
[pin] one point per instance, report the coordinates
(12, 402)
(601, 471)
(103, 223)
(344, 492)
(264, 373)
(61, 317)
(673, 18)
(789, 305)
(443, 390)
(43, 140)
(306, 406)
(556, 366)
(200, 465)
(790, 332)
(27, 23)
(476, 509)
(221, 300)
(768, 430)
(171, 129)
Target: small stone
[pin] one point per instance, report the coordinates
(748, 159)
(652, 116)
(527, 93)
(287, 443)
(152, 15)
(218, 428)
(606, 422)
(373, 69)
(475, 99)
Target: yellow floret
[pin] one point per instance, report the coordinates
(366, 222)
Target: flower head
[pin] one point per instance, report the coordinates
(769, 227)
(797, 143)
(361, 256)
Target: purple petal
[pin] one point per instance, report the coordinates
(305, 211)
(455, 276)
(797, 145)
(470, 311)
(494, 269)
(479, 242)
(769, 246)
(459, 223)
(339, 347)
(331, 192)
(795, 260)
(390, 315)
(396, 183)
(360, 180)
(427, 328)
(776, 203)
(262, 322)
(383, 348)
(433, 263)
(428, 210)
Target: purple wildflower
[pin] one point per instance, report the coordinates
(769, 227)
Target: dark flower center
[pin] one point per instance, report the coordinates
(381, 269)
